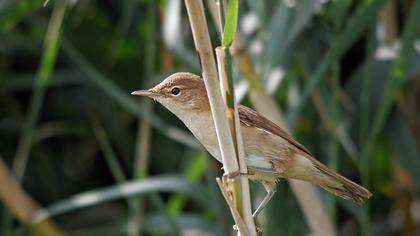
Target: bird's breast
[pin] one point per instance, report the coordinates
(202, 127)
(262, 149)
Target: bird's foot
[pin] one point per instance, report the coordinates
(259, 230)
(237, 173)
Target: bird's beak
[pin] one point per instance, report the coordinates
(145, 93)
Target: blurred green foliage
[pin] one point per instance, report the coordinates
(345, 73)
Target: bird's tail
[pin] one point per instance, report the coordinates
(339, 185)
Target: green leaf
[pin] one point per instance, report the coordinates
(229, 30)
(168, 183)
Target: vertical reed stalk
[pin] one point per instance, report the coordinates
(333, 151)
(224, 68)
(364, 161)
(224, 134)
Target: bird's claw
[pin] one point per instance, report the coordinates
(236, 173)
(259, 230)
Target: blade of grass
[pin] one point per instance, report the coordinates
(141, 171)
(357, 25)
(398, 72)
(399, 68)
(364, 160)
(43, 76)
(229, 30)
(118, 174)
(107, 150)
(115, 168)
(333, 151)
(167, 183)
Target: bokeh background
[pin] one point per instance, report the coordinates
(73, 141)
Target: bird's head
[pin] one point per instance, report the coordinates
(181, 93)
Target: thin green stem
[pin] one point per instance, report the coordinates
(221, 8)
(45, 70)
(333, 141)
(112, 161)
(143, 141)
(398, 70)
(363, 129)
(228, 27)
(43, 77)
(108, 152)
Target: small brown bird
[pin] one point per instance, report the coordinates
(271, 153)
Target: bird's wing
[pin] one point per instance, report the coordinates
(251, 118)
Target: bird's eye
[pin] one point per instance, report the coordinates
(175, 91)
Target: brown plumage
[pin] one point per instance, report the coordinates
(271, 153)
(331, 181)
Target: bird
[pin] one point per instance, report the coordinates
(271, 153)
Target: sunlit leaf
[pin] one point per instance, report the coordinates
(123, 190)
(231, 24)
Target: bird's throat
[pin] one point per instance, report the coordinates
(202, 127)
